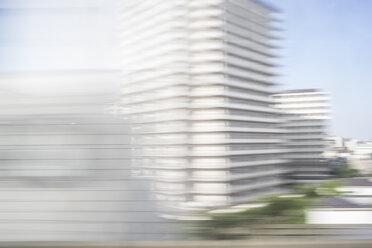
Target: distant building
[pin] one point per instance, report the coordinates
(305, 114)
(335, 147)
(337, 142)
(360, 155)
(351, 144)
(362, 150)
(196, 85)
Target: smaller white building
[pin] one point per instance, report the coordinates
(305, 114)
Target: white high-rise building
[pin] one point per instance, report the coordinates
(305, 113)
(197, 80)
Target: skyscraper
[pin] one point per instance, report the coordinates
(197, 80)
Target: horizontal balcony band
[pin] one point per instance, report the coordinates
(326, 175)
(247, 75)
(169, 61)
(184, 142)
(234, 29)
(157, 98)
(184, 154)
(236, 129)
(242, 84)
(206, 12)
(248, 175)
(234, 43)
(236, 189)
(305, 124)
(224, 130)
(302, 101)
(152, 52)
(145, 83)
(249, 37)
(293, 145)
(253, 62)
(251, 56)
(230, 95)
(235, 106)
(247, 34)
(300, 150)
(206, 166)
(160, 118)
(309, 111)
(248, 66)
(249, 23)
(140, 51)
(238, 61)
(257, 186)
(311, 170)
(307, 105)
(231, 178)
(154, 108)
(252, 71)
(296, 118)
(307, 157)
(234, 153)
(185, 105)
(309, 131)
(236, 14)
(308, 162)
(129, 89)
(306, 137)
(309, 181)
(288, 95)
(231, 165)
(197, 117)
(164, 79)
(241, 9)
(227, 141)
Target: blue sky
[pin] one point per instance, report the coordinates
(326, 45)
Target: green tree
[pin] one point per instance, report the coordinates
(346, 171)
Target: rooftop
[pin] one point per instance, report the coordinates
(338, 202)
(357, 182)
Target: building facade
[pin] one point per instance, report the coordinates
(305, 115)
(65, 163)
(197, 81)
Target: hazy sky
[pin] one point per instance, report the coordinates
(326, 45)
(58, 35)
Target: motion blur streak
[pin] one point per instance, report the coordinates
(65, 163)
